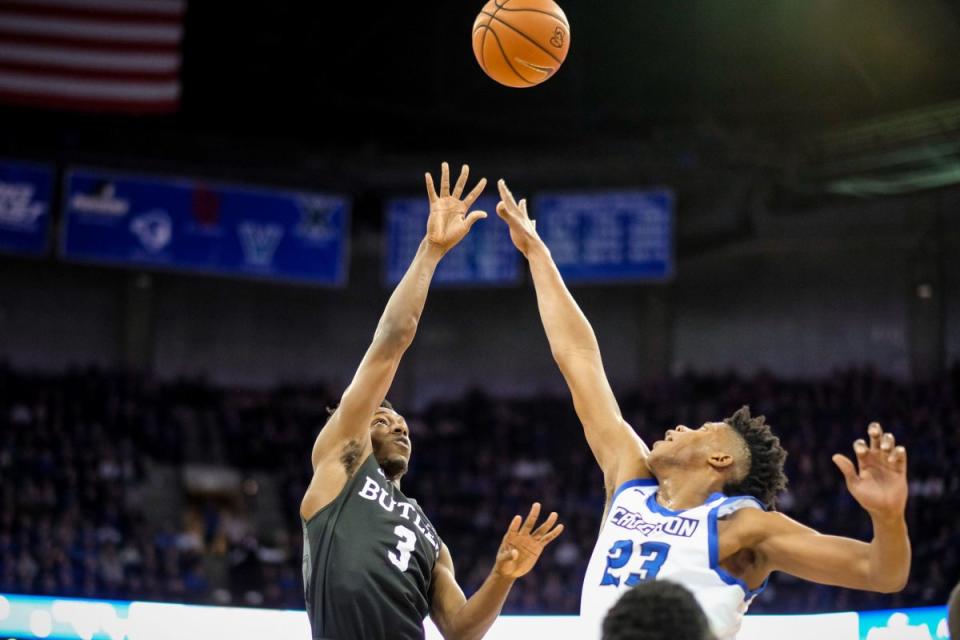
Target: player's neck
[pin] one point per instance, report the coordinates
(680, 489)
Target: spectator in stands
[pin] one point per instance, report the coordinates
(82, 512)
(657, 610)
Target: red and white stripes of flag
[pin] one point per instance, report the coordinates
(92, 55)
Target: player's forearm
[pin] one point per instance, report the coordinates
(568, 330)
(888, 556)
(400, 318)
(481, 609)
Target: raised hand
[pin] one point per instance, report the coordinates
(523, 230)
(522, 544)
(880, 486)
(450, 216)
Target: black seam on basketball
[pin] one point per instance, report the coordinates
(532, 41)
(507, 59)
(546, 13)
(483, 40)
(483, 51)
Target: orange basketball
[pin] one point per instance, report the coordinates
(521, 43)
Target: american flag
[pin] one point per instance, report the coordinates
(92, 55)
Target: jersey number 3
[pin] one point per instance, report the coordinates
(653, 553)
(405, 545)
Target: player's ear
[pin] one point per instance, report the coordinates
(720, 461)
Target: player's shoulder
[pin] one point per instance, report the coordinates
(750, 526)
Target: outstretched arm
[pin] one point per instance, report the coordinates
(880, 487)
(616, 446)
(458, 618)
(448, 223)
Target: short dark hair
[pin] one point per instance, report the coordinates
(656, 610)
(765, 477)
(383, 405)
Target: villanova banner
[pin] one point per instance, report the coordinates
(26, 191)
(23, 617)
(157, 222)
(608, 237)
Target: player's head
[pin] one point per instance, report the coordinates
(656, 610)
(740, 453)
(391, 440)
(953, 613)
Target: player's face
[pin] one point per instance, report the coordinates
(391, 441)
(682, 444)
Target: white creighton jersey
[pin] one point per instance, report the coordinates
(642, 540)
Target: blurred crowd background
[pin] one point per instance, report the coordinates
(118, 486)
(199, 230)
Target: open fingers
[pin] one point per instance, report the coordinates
(475, 193)
(861, 449)
(444, 180)
(887, 443)
(505, 194)
(898, 458)
(875, 433)
(547, 525)
(552, 535)
(474, 217)
(431, 190)
(531, 518)
(513, 528)
(461, 181)
(846, 467)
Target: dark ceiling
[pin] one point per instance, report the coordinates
(385, 72)
(402, 74)
(274, 86)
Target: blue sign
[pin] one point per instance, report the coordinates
(928, 623)
(486, 256)
(26, 191)
(608, 237)
(192, 225)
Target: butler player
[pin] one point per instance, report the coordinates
(693, 510)
(373, 565)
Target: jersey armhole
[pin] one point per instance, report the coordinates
(629, 484)
(340, 496)
(714, 547)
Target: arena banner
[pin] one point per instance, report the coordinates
(23, 617)
(608, 237)
(26, 191)
(159, 222)
(485, 257)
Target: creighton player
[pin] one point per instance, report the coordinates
(695, 509)
(373, 565)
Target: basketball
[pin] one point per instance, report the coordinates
(521, 43)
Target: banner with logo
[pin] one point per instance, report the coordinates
(608, 237)
(26, 191)
(193, 225)
(485, 257)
